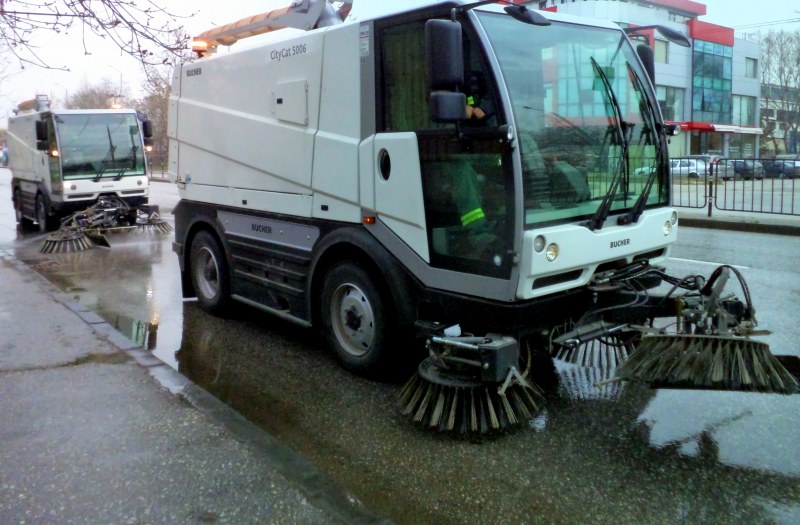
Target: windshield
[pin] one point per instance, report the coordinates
(100, 145)
(569, 87)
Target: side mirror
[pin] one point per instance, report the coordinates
(147, 129)
(444, 55)
(42, 137)
(447, 106)
(647, 57)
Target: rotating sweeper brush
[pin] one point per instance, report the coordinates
(708, 346)
(471, 384)
(86, 229)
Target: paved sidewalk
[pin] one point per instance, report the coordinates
(88, 436)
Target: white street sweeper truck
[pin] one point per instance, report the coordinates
(79, 170)
(453, 175)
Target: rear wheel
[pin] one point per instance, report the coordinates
(209, 273)
(21, 219)
(355, 321)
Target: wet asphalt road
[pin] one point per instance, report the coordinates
(619, 454)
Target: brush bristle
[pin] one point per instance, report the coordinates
(63, 244)
(603, 353)
(476, 409)
(701, 361)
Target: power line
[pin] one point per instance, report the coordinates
(762, 24)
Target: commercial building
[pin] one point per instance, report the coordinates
(712, 89)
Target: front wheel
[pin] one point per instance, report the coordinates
(44, 220)
(355, 320)
(209, 273)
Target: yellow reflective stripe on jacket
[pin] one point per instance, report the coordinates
(472, 216)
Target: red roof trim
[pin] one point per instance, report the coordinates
(710, 32)
(707, 127)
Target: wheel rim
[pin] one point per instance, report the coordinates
(353, 319)
(206, 273)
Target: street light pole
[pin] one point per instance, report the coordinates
(119, 91)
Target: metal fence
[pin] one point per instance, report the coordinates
(767, 186)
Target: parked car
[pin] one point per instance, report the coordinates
(706, 161)
(691, 168)
(783, 167)
(644, 170)
(739, 169)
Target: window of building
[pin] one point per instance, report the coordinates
(750, 68)
(671, 101)
(712, 73)
(744, 111)
(660, 50)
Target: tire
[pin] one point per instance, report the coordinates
(355, 320)
(45, 222)
(208, 270)
(23, 221)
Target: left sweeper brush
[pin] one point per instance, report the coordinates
(473, 384)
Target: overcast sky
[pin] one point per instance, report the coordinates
(108, 62)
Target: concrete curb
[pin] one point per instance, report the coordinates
(734, 224)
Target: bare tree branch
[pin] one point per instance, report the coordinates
(780, 92)
(139, 28)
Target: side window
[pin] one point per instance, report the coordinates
(467, 184)
(405, 93)
(405, 82)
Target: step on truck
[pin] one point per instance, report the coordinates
(456, 177)
(65, 160)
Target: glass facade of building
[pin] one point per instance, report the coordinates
(712, 73)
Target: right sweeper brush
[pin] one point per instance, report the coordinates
(712, 347)
(471, 384)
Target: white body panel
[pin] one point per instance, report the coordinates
(584, 250)
(24, 161)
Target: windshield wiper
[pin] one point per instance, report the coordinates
(638, 207)
(599, 217)
(111, 148)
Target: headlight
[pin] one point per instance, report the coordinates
(538, 243)
(552, 252)
(667, 228)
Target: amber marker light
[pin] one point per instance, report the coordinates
(369, 219)
(200, 47)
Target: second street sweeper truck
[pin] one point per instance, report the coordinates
(451, 175)
(81, 172)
